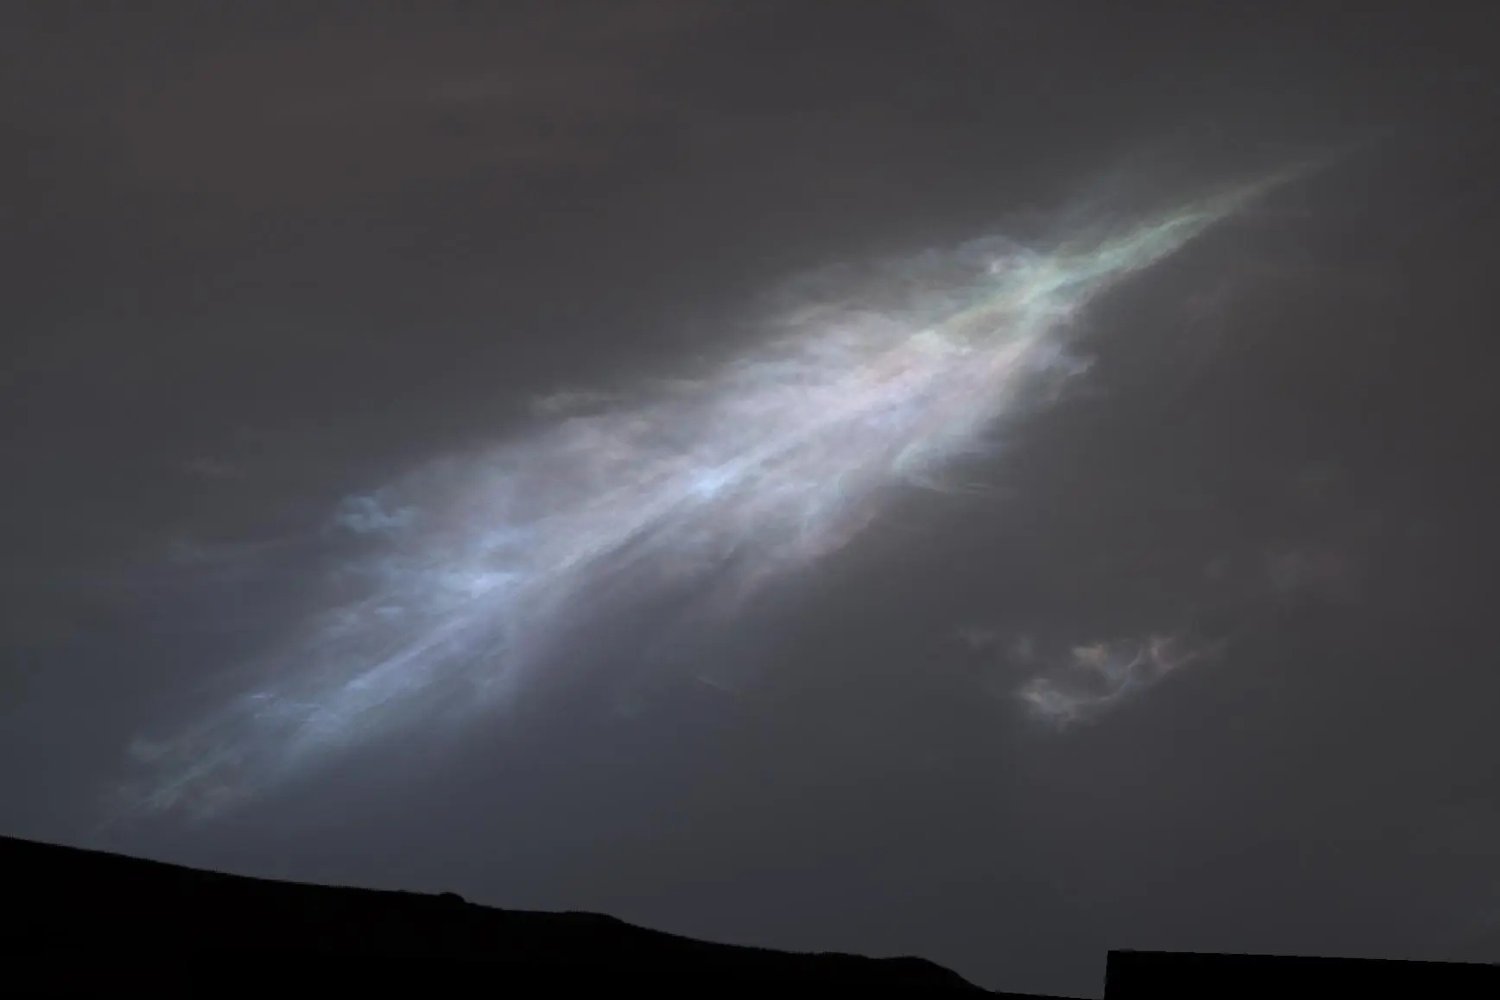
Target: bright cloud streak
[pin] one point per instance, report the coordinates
(777, 459)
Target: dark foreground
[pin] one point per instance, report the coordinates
(75, 919)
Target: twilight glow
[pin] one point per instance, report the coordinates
(474, 566)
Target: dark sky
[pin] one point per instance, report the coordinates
(259, 257)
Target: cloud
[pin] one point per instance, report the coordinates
(753, 471)
(368, 515)
(1094, 677)
(571, 401)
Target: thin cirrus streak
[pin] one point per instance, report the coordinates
(778, 458)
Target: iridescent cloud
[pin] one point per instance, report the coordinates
(476, 565)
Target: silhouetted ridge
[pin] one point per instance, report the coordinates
(76, 918)
(106, 911)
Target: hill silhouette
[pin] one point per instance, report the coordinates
(77, 917)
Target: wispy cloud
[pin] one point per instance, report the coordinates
(472, 569)
(373, 514)
(1090, 679)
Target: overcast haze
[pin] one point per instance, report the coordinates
(1196, 652)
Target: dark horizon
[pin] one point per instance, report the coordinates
(87, 918)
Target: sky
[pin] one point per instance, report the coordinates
(995, 481)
